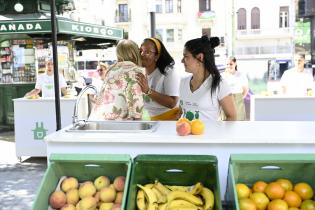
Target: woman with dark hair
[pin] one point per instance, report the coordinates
(161, 85)
(238, 84)
(204, 93)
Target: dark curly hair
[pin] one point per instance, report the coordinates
(165, 59)
(206, 46)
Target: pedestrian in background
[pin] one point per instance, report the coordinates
(204, 93)
(238, 84)
(161, 83)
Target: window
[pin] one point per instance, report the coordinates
(284, 17)
(169, 6)
(122, 13)
(255, 18)
(241, 19)
(206, 31)
(179, 6)
(170, 35)
(159, 34)
(158, 6)
(204, 5)
(180, 35)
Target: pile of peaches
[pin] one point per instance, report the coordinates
(185, 127)
(98, 195)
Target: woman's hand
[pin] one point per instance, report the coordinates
(143, 82)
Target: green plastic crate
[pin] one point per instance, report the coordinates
(174, 170)
(249, 168)
(84, 167)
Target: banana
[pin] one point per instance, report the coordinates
(149, 194)
(175, 195)
(208, 197)
(152, 206)
(177, 188)
(162, 206)
(141, 200)
(182, 208)
(164, 190)
(160, 197)
(149, 185)
(181, 203)
(196, 189)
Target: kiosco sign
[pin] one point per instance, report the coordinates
(63, 26)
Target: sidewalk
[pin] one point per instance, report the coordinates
(19, 180)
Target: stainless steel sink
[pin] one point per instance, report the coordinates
(114, 127)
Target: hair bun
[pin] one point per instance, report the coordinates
(214, 41)
(204, 38)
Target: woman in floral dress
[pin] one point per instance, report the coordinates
(121, 97)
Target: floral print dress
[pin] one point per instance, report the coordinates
(121, 97)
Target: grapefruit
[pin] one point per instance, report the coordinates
(304, 190)
(274, 190)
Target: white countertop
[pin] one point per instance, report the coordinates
(248, 132)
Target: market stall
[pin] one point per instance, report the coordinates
(282, 108)
(35, 118)
(220, 139)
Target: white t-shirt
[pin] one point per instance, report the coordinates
(236, 81)
(45, 83)
(200, 102)
(167, 84)
(98, 83)
(297, 83)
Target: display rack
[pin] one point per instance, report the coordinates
(6, 64)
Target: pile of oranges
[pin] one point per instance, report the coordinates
(185, 127)
(280, 194)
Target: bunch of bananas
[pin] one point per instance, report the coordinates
(165, 197)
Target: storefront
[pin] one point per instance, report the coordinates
(25, 44)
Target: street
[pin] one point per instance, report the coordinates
(19, 181)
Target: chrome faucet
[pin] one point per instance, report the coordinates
(75, 120)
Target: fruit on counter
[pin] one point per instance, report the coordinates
(119, 183)
(87, 189)
(197, 127)
(33, 97)
(57, 199)
(174, 197)
(69, 183)
(104, 198)
(68, 207)
(107, 194)
(101, 182)
(183, 128)
(280, 194)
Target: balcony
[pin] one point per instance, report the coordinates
(263, 51)
(264, 33)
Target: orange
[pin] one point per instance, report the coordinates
(278, 204)
(292, 199)
(286, 184)
(247, 204)
(274, 191)
(308, 205)
(259, 186)
(304, 190)
(197, 127)
(242, 190)
(293, 208)
(260, 199)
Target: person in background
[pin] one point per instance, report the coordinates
(121, 97)
(101, 70)
(296, 81)
(45, 83)
(238, 84)
(204, 93)
(161, 85)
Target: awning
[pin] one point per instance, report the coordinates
(85, 35)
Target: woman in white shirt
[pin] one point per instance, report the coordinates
(161, 85)
(238, 84)
(204, 93)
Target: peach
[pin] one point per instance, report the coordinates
(119, 183)
(68, 207)
(107, 194)
(57, 199)
(183, 128)
(101, 182)
(106, 206)
(119, 197)
(69, 184)
(116, 206)
(73, 196)
(87, 189)
(87, 203)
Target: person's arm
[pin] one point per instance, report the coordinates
(245, 91)
(228, 107)
(164, 100)
(64, 91)
(35, 91)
